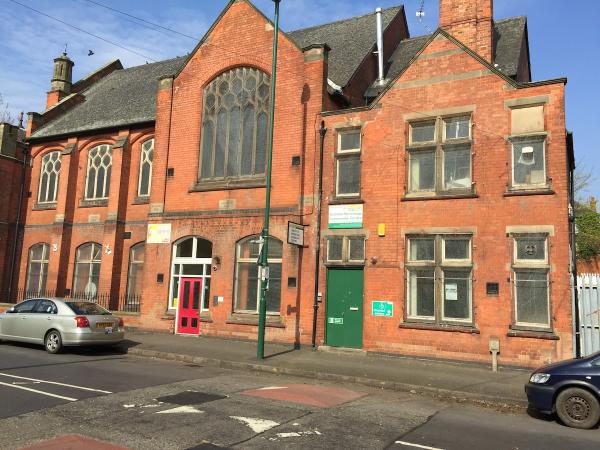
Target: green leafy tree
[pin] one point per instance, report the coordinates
(587, 221)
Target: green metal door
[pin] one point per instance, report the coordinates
(344, 326)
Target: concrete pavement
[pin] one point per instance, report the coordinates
(447, 380)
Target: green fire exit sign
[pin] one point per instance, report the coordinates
(381, 308)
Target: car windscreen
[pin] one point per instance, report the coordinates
(87, 309)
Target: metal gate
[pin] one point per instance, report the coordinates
(589, 312)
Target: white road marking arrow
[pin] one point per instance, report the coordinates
(181, 409)
(257, 425)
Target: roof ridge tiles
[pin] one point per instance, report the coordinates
(398, 7)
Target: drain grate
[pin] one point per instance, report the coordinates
(190, 398)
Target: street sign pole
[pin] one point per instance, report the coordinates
(264, 251)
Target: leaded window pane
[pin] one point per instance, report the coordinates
(357, 248)
(457, 127)
(37, 270)
(421, 293)
(136, 269)
(422, 249)
(422, 171)
(457, 295)
(531, 248)
(349, 140)
(532, 297)
(422, 132)
(98, 172)
(146, 158)
(457, 167)
(87, 270)
(455, 248)
(528, 163)
(273, 298)
(348, 176)
(334, 248)
(49, 176)
(236, 104)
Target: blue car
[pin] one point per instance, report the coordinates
(570, 388)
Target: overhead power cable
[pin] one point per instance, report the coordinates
(81, 30)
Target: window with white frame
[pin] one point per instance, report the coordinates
(145, 178)
(135, 273)
(439, 278)
(348, 164)
(192, 258)
(439, 156)
(531, 283)
(529, 163)
(247, 280)
(37, 270)
(49, 175)
(99, 166)
(345, 250)
(86, 278)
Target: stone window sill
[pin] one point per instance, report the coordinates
(43, 206)
(440, 327)
(346, 201)
(441, 196)
(533, 333)
(93, 203)
(141, 201)
(220, 185)
(205, 317)
(521, 192)
(273, 321)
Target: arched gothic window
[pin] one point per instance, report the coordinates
(98, 172)
(49, 173)
(234, 125)
(87, 270)
(146, 157)
(37, 270)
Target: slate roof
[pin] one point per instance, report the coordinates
(350, 41)
(125, 96)
(508, 35)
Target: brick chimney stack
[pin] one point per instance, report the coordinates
(471, 22)
(61, 80)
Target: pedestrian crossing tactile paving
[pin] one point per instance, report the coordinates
(73, 442)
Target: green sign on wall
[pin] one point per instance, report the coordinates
(381, 308)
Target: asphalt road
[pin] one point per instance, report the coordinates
(146, 404)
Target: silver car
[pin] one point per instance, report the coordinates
(58, 322)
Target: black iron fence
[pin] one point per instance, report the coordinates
(108, 300)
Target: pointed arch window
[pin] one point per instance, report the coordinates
(145, 179)
(247, 280)
(37, 270)
(87, 270)
(234, 125)
(49, 174)
(99, 167)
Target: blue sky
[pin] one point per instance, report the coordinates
(564, 39)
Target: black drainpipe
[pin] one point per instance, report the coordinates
(13, 258)
(322, 132)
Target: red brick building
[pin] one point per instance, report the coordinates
(438, 222)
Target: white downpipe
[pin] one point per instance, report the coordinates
(379, 45)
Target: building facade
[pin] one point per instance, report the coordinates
(432, 187)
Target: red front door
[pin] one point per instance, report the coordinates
(188, 306)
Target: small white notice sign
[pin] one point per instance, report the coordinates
(451, 291)
(295, 234)
(159, 233)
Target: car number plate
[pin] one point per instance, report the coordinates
(104, 325)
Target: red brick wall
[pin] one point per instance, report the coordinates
(384, 184)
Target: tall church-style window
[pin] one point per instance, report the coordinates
(87, 270)
(49, 173)
(37, 270)
(98, 172)
(145, 179)
(234, 125)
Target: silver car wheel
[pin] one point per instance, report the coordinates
(53, 342)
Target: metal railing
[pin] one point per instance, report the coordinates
(108, 300)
